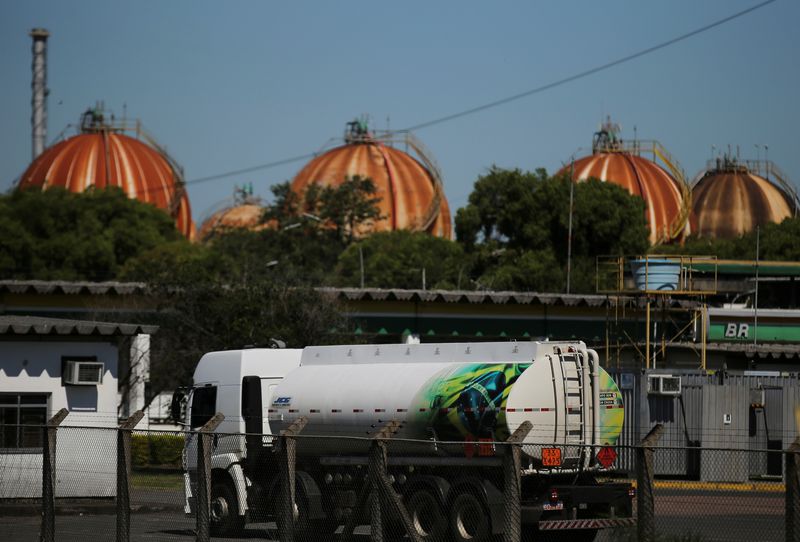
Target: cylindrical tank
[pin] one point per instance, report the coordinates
(457, 393)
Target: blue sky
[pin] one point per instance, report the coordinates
(227, 85)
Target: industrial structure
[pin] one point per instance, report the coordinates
(39, 91)
(663, 188)
(242, 211)
(732, 197)
(410, 188)
(102, 155)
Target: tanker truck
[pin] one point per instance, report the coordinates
(453, 402)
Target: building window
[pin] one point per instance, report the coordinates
(22, 416)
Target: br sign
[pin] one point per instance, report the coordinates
(737, 331)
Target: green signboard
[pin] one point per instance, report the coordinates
(738, 330)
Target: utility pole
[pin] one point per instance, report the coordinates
(569, 235)
(361, 265)
(755, 307)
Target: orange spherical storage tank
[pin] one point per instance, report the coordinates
(666, 198)
(411, 193)
(730, 200)
(243, 211)
(102, 156)
(244, 216)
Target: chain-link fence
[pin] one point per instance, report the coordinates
(69, 483)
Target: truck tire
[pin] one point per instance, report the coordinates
(225, 518)
(469, 520)
(427, 516)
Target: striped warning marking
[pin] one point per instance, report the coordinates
(443, 410)
(564, 524)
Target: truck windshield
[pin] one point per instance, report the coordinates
(204, 405)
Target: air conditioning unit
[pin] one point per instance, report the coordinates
(84, 373)
(664, 385)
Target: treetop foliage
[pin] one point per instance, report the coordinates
(349, 209)
(59, 235)
(516, 228)
(780, 242)
(399, 259)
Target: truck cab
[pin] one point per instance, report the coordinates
(239, 384)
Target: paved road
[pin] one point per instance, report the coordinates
(707, 516)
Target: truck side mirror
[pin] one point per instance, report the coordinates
(176, 406)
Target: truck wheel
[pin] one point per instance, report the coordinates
(427, 517)
(225, 518)
(469, 520)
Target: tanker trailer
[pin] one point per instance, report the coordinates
(453, 401)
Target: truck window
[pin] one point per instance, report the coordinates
(204, 405)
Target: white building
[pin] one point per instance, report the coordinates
(47, 364)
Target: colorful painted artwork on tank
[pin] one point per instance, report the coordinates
(612, 413)
(466, 402)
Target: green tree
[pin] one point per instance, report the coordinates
(205, 311)
(58, 235)
(347, 208)
(397, 259)
(516, 229)
(779, 242)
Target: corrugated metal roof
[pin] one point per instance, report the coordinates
(471, 297)
(33, 325)
(71, 288)
(353, 294)
(762, 350)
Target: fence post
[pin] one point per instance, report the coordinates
(49, 476)
(378, 491)
(512, 519)
(793, 492)
(376, 466)
(124, 475)
(205, 438)
(645, 503)
(286, 449)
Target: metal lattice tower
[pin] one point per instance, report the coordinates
(39, 90)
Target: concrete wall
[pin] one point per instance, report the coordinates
(86, 453)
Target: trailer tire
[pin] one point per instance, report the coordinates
(427, 517)
(469, 519)
(225, 518)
